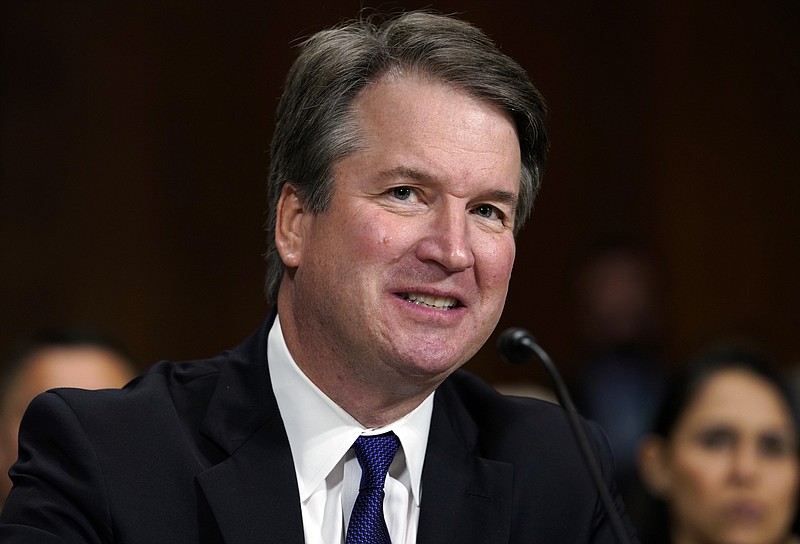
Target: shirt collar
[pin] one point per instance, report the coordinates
(320, 432)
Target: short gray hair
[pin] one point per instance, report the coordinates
(315, 127)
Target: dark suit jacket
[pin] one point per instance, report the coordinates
(196, 452)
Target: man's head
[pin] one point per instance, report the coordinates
(77, 357)
(316, 127)
(405, 159)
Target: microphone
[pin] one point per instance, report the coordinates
(516, 345)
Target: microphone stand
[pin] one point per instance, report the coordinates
(515, 345)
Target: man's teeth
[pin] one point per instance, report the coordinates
(440, 303)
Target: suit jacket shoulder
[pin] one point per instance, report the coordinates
(512, 469)
(185, 453)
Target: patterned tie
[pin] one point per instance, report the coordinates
(367, 524)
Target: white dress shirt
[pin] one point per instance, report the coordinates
(321, 435)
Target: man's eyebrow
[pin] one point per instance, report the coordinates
(504, 197)
(405, 172)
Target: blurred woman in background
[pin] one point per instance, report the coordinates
(723, 456)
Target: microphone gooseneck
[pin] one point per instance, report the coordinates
(516, 345)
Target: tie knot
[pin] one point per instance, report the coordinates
(375, 455)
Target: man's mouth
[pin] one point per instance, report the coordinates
(439, 303)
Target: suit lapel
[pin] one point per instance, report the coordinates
(253, 492)
(464, 498)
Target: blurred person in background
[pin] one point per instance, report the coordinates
(722, 460)
(617, 307)
(67, 357)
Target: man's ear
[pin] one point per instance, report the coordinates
(654, 465)
(289, 231)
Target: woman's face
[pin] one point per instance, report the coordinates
(730, 469)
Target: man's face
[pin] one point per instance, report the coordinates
(405, 276)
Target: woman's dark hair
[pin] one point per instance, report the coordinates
(690, 379)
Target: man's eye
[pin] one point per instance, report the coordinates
(402, 193)
(488, 212)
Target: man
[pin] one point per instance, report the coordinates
(64, 357)
(405, 158)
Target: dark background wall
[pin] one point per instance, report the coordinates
(133, 153)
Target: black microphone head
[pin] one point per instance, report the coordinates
(514, 345)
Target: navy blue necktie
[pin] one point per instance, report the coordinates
(367, 524)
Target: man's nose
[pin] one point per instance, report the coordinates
(447, 240)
